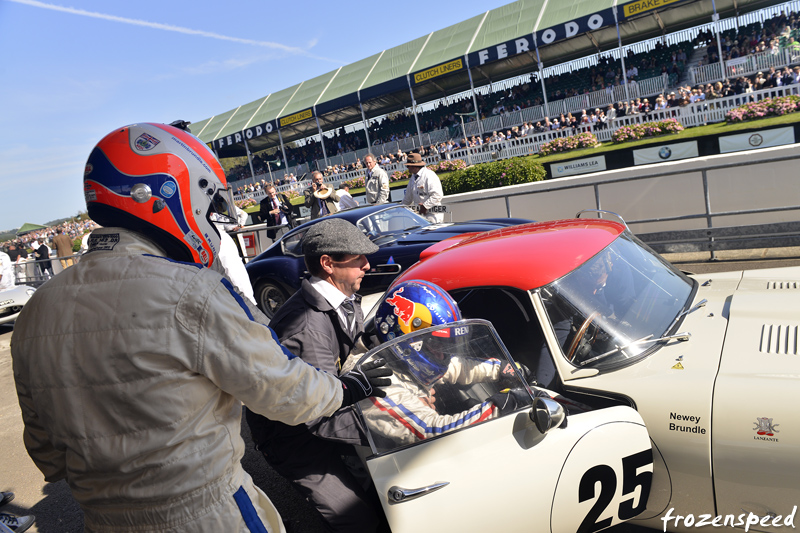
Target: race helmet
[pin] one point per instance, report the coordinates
(160, 181)
(412, 305)
(427, 355)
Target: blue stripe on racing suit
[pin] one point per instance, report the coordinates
(249, 514)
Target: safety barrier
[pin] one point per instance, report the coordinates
(743, 66)
(31, 272)
(729, 201)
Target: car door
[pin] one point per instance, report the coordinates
(448, 455)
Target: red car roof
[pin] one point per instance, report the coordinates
(524, 257)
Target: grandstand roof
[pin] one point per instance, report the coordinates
(28, 227)
(496, 45)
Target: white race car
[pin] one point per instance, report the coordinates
(679, 391)
(12, 301)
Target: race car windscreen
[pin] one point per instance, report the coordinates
(611, 311)
(445, 378)
(389, 223)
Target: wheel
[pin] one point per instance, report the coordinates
(579, 335)
(270, 297)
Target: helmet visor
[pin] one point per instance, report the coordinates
(222, 207)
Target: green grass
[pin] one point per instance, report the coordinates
(719, 128)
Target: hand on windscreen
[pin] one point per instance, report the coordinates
(364, 381)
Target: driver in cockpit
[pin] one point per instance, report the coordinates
(409, 412)
(611, 284)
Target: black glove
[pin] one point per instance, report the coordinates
(364, 381)
(370, 335)
(510, 400)
(508, 374)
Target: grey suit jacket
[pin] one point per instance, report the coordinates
(311, 329)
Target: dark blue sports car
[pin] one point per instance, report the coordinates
(401, 234)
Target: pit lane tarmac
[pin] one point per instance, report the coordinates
(57, 512)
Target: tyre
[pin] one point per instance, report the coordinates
(270, 297)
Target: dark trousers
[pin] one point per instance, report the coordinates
(316, 469)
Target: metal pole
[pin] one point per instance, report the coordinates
(283, 151)
(249, 159)
(709, 220)
(715, 22)
(363, 119)
(541, 76)
(474, 98)
(621, 55)
(321, 138)
(464, 130)
(414, 107)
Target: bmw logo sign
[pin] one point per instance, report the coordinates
(665, 152)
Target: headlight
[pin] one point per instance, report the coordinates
(30, 291)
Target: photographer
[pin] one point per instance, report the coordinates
(318, 197)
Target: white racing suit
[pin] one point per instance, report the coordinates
(404, 416)
(130, 368)
(7, 280)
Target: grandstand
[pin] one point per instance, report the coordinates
(518, 65)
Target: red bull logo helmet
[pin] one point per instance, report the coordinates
(413, 305)
(427, 355)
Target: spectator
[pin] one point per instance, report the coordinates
(7, 278)
(63, 248)
(42, 254)
(276, 211)
(317, 197)
(424, 189)
(346, 200)
(376, 182)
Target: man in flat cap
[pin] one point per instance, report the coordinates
(424, 189)
(321, 323)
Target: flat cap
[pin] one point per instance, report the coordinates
(336, 236)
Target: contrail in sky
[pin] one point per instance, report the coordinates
(169, 27)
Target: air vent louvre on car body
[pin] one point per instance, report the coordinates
(783, 285)
(779, 339)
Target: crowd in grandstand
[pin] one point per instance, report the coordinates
(73, 229)
(775, 34)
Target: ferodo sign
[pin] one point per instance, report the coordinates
(240, 136)
(544, 37)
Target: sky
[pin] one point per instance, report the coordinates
(74, 70)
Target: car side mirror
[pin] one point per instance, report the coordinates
(547, 414)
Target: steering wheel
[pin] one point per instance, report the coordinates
(573, 348)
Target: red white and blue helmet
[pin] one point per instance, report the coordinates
(412, 305)
(160, 181)
(427, 356)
